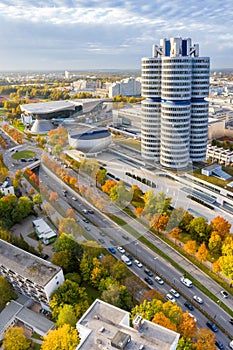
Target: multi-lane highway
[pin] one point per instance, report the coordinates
(99, 224)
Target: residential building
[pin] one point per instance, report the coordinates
(7, 187)
(104, 326)
(19, 312)
(44, 231)
(29, 274)
(126, 87)
(175, 83)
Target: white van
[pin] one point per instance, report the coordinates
(126, 260)
(186, 281)
(231, 345)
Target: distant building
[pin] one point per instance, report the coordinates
(29, 274)
(67, 74)
(89, 141)
(45, 113)
(175, 84)
(104, 326)
(7, 187)
(44, 231)
(126, 87)
(219, 154)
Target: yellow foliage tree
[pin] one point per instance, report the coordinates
(202, 252)
(190, 247)
(205, 340)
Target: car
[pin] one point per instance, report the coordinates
(212, 326)
(112, 250)
(191, 315)
(159, 280)
(219, 344)
(91, 211)
(102, 234)
(224, 294)
(148, 272)
(169, 297)
(121, 250)
(87, 228)
(86, 220)
(85, 211)
(231, 344)
(23, 160)
(148, 280)
(231, 320)
(101, 240)
(125, 237)
(137, 262)
(113, 243)
(198, 299)
(186, 281)
(175, 293)
(74, 199)
(129, 256)
(188, 305)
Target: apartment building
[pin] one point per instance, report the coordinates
(29, 274)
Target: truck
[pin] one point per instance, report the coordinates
(126, 260)
(186, 281)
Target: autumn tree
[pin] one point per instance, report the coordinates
(175, 233)
(215, 243)
(216, 266)
(221, 225)
(6, 292)
(187, 326)
(159, 222)
(205, 340)
(138, 211)
(109, 184)
(198, 229)
(53, 196)
(164, 321)
(190, 247)
(14, 339)
(66, 316)
(202, 253)
(185, 344)
(65, 337)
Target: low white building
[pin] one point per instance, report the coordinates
(219, 154)
(6, 187)
(29, 274)
(44, 231)
(104, 326)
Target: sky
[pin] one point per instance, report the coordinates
(104, 34)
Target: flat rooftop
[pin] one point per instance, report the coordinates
(27, 265)
(103, 323)
(48, 107)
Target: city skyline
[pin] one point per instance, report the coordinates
(74, 35)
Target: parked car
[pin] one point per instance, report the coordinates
(91, 211)
(112, 250)
(219, 344)
(189, 306)
(86, 220)
(224, 294)
(186, 281)
(212, 326)
(231, 320)
(45, 256)
(101, 240)
(125, 237)
(148, 280)
(174, 292)
(169, 297)
(198, 299)
(74, 199)
(159, 280)
(137, 262)
(148, 272)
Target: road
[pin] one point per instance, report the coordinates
(100, 224)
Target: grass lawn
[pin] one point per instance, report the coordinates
(131, 143)
(23, 154)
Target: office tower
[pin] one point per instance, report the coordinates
(175, 83)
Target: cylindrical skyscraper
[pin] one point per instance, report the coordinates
(175, 82)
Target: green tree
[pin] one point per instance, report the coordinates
(6, 292)
(37, 199)
(14, 339)
(185, 344)
(198, 229)
(63, 338)
(66, 316)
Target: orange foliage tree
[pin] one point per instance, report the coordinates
(164, 321)
(175, 233)
(190, 247)
(202, 253)
(187, 326)
(205, 340)
(109, 184)
(221, 225)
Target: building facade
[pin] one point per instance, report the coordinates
(175, 83)
(29, 274)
